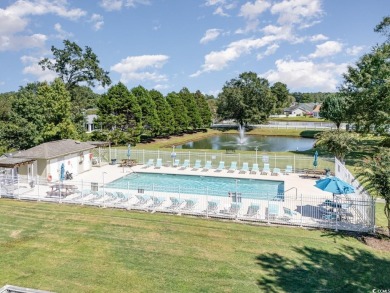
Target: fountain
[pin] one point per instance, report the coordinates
(241, 139)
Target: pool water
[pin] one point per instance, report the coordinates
(204, 185)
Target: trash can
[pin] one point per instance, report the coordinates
(94, 186)
(113, 161)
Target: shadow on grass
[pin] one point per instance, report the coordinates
(316, 270)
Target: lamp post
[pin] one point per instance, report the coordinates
(256, 149)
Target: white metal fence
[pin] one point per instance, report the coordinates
(353, 213)
(299, 163)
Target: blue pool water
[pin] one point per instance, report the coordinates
(205, 185)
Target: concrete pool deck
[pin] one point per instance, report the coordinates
(292, 181)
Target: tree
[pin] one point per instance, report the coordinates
(384, 27)
(75, 66)
(374, 175)
(204, 109)
(118, 109)
(164, 113)
(339, 143)
(334, 109)
(150, 120)
(247, 99)
(195, 121)
(179, 111)
(367, 89)
(282, 95)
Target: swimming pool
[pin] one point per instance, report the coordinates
(204, 185)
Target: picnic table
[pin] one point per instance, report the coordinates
(62, 189)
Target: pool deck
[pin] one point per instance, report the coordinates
(293, 183)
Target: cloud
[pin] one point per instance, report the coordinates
(222, 6)
(97, 21)
(15, 43)
(34, 69)
(111, 5)
(328, 48)
(252, 11)
(270, 50)
(297, 11)
(210, 35)
(354, 50)
(62, 34)
(317, 38)
(307, 74)
(16, 17)
(135, 68)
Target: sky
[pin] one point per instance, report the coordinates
(199, 44)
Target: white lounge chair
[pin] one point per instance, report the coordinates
(266, 170)
(158, 164)
(221, 166)
(185, 165)
(255, 168)
(288, 170)
(245, 168)
(197, 165)
(233, 167)
(148, 164)
(207, 166)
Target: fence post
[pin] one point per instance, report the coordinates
(301, 210)
(295, 170)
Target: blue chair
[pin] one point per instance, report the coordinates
(158, 164)
(148, 164)
(245, 168)
(207, 166)
(185, 165)
(276, 172)
(221, 166)
(233, 167)
(266, 170)
(196, 165)
(288, 170)
(176, 163)
(255, 168)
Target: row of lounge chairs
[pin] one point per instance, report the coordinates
(232, 169)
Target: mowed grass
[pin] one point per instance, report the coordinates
(67, 248)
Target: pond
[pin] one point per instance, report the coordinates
(250, 142)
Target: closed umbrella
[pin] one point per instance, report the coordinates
(128, 151)
(62, 172)
(315, 162)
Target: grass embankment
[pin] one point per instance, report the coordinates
(83, 249)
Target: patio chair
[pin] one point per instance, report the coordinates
(176, 163)
(212, 206)
(175, 203)
(266, 169)
(288, 170)
(276, 172)
(156, 202)
(233, 209)
(255, 168)
(253, 210)
(148, 164)
(158, 164)
(233, 167)
(272, 211)
(189, 204)
(221, 166)
(197, 165)
(289, 214)
(141, 200)
(207, 166)
(245, 168)
(185, 165)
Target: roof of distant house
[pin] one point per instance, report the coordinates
(53, 149)
(306, 107)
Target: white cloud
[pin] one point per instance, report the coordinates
(15, 20)
(111, 5)
(318, 38)
(33, 68)
(221, 6)
(253, 10)
(97, 21)
(354, 50)
(210, 35)
(270, 50)
(328, 48)
(296, 11)
(15, 43)
(62, 34)
(307, 74)
(136, 68)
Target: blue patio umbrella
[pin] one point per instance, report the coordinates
(62, 172)
(315, 162)
(334, 185)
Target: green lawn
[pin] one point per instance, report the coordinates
(67, 248)
(380, 217)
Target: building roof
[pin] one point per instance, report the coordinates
(317, 108)
(54, 149)
(14, 162)
(306, 107)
